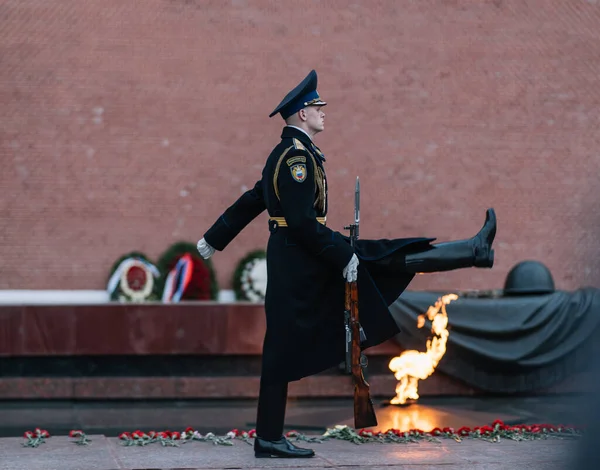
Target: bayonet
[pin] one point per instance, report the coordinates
(356, 208)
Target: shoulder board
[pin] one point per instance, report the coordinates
(298, 145)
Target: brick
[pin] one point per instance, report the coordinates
(131, 125)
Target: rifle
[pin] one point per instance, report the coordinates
(364, 412)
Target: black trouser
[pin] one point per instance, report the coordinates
(270, 415)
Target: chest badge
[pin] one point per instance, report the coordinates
(299, 172)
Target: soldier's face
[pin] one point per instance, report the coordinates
(315, 118)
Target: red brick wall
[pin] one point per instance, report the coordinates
(132, 124)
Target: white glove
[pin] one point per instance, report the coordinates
(350, 272)
(205, 250)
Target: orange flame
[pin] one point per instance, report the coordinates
(412, 366)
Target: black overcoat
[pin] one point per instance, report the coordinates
(304, 301)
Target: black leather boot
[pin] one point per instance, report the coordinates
(281, 448)
(474, 252)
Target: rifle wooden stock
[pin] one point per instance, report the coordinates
(364, 412)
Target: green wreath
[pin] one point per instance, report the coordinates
(117, 294)
(242, 282)
(203, 284)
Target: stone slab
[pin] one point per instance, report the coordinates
(106, 388)
(196, 328)
(58, 453)
(109, 454)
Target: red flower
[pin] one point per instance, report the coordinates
(291, 433)
(175, 435)
(125, 435)
(152, 433)
(252, 433)
(464, 431)
(500, 424)
(435, 432)
(75, 433)
(486, 430)
(448, 430)
(44, 433)
(28, 434)
(163, 435)
(189, 429)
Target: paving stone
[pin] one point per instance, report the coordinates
(108, 454)
(58, 453)
(203, 455)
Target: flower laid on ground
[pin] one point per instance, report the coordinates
(491, 433)
(82, 440)
(35, 438)
(494, 433)
(175, 438)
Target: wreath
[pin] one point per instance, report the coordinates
(202, 283)
(250, 277)
(132, 279)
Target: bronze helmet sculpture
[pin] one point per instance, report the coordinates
(529, 278)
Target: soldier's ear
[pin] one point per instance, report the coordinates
(302, 114)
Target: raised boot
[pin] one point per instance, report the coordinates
(447, 256)
(281, 448)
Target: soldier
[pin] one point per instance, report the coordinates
(308, 264)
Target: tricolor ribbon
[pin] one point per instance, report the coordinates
(178, 279)
(115, 278)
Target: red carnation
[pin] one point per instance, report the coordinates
(252, 433)
(435, 432)
(189, 429)
(464, 431)
(124, 435)
(175, 435)
(75, 433)
(28, 434)
(448, 430)
(486, 430)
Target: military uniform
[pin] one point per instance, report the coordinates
(304, 301)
